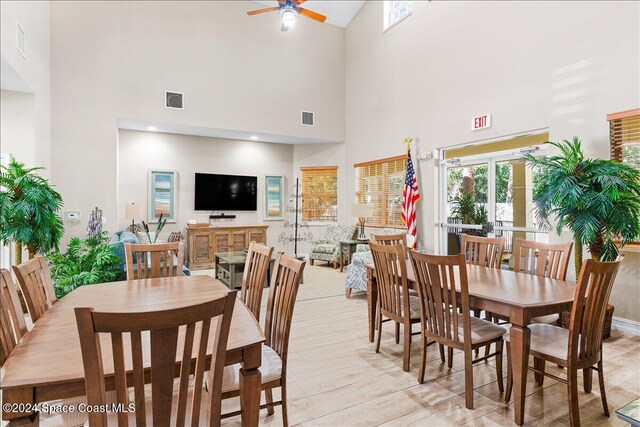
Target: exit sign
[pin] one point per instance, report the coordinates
(481, 122)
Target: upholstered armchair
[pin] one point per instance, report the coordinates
(328, 247)
(356, 273)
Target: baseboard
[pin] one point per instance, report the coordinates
(625, 325)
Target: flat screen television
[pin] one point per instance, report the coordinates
(226, 192)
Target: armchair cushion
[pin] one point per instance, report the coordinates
(324, 248)
(356, 274)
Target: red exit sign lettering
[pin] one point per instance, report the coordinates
(481, 122)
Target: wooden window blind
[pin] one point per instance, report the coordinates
(624, 132)
(380, 183)
(320, 193)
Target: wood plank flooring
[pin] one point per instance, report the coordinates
(336, 379)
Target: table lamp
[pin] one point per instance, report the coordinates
(132, 212)
(362, 212)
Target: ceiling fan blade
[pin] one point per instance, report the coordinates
(268, 9)
(299, 2)
(311, 14)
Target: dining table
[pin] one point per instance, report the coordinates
(517, 296)
(47, 363)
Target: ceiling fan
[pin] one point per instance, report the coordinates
(289, 9)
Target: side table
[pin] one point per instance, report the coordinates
(348, 247)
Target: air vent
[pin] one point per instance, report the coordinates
(20, 41)
(174, 100)
(307, 118)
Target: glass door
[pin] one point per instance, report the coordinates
(466, 203)
(489, 196)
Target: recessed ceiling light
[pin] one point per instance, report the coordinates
(152, 128)
(254, 138)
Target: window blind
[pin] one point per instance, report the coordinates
(319, 193)
(380, 183)
(624, 134)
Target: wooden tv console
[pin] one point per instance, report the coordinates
(204, 240)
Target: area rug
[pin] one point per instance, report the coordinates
(320, 281)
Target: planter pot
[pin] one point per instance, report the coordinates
(565, 319)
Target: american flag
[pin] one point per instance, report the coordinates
(410, 196)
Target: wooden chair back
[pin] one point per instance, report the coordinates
(285, 281)
(542, 259)
(484, 251)
(391, 277)
(12, 323)
(392, 239)
(437, 286)
(36, 286)
(590, 300)
(154, 260)
(254, 276)
(162, 328)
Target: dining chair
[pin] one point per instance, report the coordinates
(150, 261)
(446, 317)
(394, 301)
(285, 280)
(36, 286)
(483, 251)
(168, 350)
(392, 239)
(12, 322)
(579, 347)
(545, 260)
(254, 276)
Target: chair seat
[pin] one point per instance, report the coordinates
(271, 369)
(549, 319)
(324, 248)
(481, 330)
(548, 339)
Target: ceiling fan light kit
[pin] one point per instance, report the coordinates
(289, 9)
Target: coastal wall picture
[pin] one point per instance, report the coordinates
(274, 186)
(162, 195)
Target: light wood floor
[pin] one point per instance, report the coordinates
(336, 379)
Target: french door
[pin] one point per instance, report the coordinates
(488, 195)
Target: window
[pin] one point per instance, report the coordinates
(395, 11)
(380, 183)
(319, 193)
(624, 130)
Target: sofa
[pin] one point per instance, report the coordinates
(356, 273)
(328, 247)
(117, 243)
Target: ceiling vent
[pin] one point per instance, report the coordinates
(307, 118)
(174, 100)
(20, 41)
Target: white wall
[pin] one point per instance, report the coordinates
(114, 60)
(17, 132)
(30, 74)
(561, 65)
(139, 152)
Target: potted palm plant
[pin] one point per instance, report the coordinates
(28, 210)
(597, 199)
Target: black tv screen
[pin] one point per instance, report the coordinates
(226, 192)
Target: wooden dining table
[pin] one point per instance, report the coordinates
(47, 364)
(518, 296)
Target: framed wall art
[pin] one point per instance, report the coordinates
(162, 195)
(274, 197)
